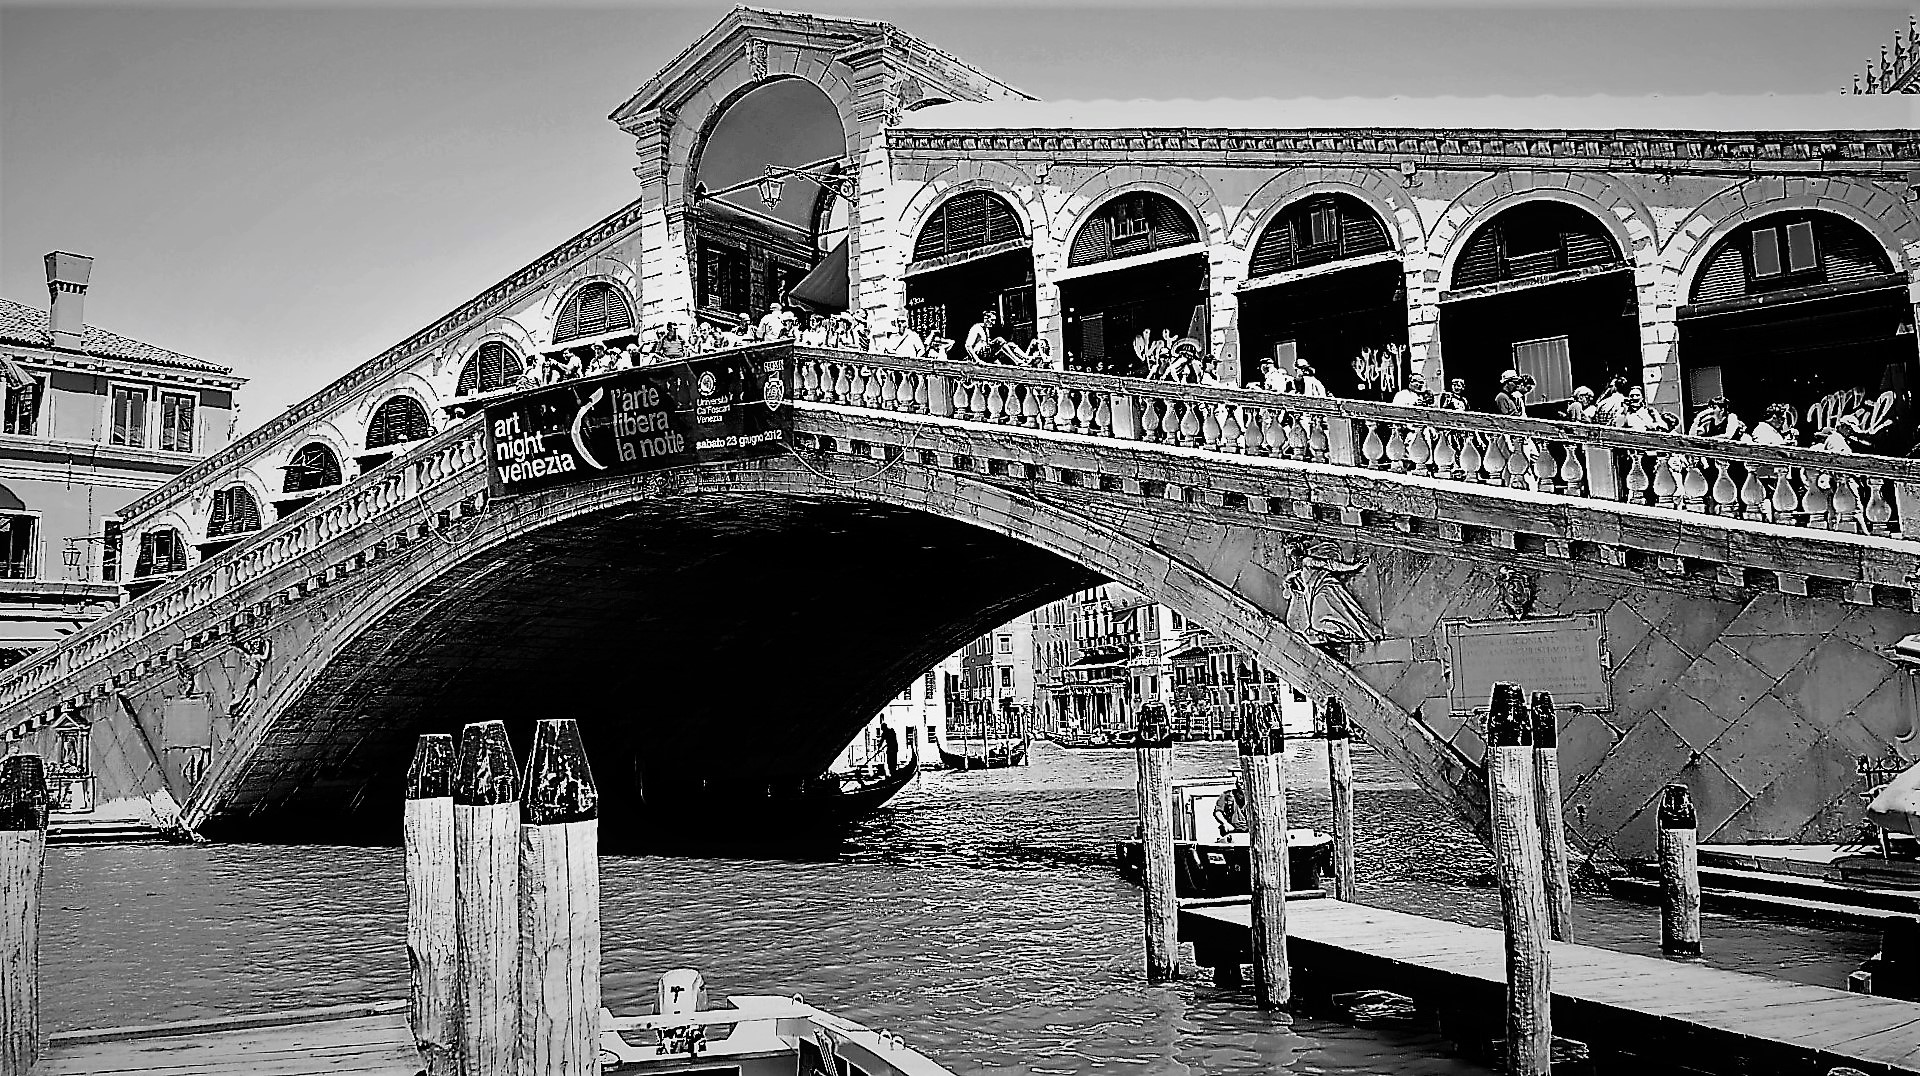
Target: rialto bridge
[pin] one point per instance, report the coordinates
(1723, 614)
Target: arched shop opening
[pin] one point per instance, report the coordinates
(1543, 289)
(764, 215)
(972, 255)
(1324, 286)
(312, 471)
(1803, 308)
(1136, 266)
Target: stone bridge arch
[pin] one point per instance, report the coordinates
(927, 559)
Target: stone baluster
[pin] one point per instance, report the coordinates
(1470, 460)
(1753, 495)
(1319, 444)
(1573, 473)
(1373, 451)
(1397, 449)
(1446, 455)
(1229, 430)
(1694, 488)
(978, 407)
(1190, 425)
(1666, 485)
(1170, 421)
(1495, 457)
(1030, 406)
(865, 393)
(1879, 510)
(1546, 469)
(922, 394)
(1420, 450)
(1520, 462)
(1103, 416)
(1299, 441)
(1816, 502)
(997, 403)
(1638, 481)
(1049, 409)
(1083, 414)
(1063, 409)
(843, 385)
(1255, 430)
(1846, 504)
(1210, 427)
(1725, 494)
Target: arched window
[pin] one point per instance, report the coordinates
(1138, 222)
(313, 467)
(161, 552)
(1317, 230)
(594, 310)
(401, 418)
(494, 366)
(1784, 251)
(234, 512)
(1534, 239)
(968, 222)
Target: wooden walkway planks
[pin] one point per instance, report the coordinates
(1600, 996)
(364, 1040)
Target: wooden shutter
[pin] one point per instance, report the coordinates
(1273, 251)
(399, 419)
(1480, 262)
(234, 512)
(1848, 252)
(1172, 226)
(966, 222)
(594, 310)
(313, 467)
(1724, 277)
(1090, 243)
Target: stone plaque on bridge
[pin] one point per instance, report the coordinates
(1565, 655)
(701, 410)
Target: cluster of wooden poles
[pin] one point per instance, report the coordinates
(503, 904)
(1530, 858)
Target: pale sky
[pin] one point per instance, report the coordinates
(290, 189)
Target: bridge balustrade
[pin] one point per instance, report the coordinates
(1794, 487)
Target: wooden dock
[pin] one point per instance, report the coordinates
(367, 1040)
(1636, 1013)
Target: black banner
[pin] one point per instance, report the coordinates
(715, 407)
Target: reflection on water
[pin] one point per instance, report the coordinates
(979, 917)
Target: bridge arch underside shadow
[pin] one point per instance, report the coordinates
(712, 628)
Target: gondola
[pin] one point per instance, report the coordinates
(849, 797)
(996, 756)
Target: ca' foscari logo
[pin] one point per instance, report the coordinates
(708, 383)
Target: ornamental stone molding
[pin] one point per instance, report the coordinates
(1888, 218)
(1186, 187)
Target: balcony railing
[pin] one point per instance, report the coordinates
(1793, 487)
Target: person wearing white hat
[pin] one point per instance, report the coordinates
(1510, 400)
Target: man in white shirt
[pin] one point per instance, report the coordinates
(1415, 393)
(773, 326)
(1309, 384)
(907, 343)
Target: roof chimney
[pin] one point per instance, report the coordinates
(67, 288)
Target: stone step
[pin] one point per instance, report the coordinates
(1905, 901)
(1628, 887)
(111, 831)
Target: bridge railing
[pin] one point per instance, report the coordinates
(397, 486)
(1795, 487)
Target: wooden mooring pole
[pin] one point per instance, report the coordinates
(1155, 755)
(1523, 898)
(23, 852)
(559, 907)
(1553, 825)
(432, 951)
(1340, 786)
(1679, 875)
(1263, 775)
(486, 857)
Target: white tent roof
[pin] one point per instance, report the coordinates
(1710, 112)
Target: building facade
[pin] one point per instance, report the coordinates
(996, 697)
(918, 716)
(90, 421)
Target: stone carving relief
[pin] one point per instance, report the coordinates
(757, 58)
(254, 658)
(1518, 589)
(1319, 605)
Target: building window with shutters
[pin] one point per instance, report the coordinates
(23, 407)
(161, 552)
(1326, 287)
(234, 512)
(112, 534)
(313, 467)
(176, 421)
(928, 692)
(1127, 321)
(597, 309)
(19, 535)
(129, 416)
(397, 421)
(725, 279)
(972, 255)
(493, 366)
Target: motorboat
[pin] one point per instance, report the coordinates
(1208, 862)
(689, 1034)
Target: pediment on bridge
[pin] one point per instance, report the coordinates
(774, 42)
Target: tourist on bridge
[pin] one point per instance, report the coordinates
(1611, 402)
(537, 371)
(599, 359)
(983, 344)
(775, 325)
(1777, 426)
(1512, 397)
(1634, 414)
(1309, 384)
(1414, 394)
(1275, 378)
(1581, 408)
(1455, 398)
(907, 343)
(570, 365)
(1717, 420)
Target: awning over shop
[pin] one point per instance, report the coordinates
(826, 287)
(1096, 663)
(1192, 650)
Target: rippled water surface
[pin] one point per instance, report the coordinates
(979, 916)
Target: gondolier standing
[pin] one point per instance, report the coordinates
(892, 740)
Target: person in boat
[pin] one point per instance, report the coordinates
(892, 741)
(1230, 811)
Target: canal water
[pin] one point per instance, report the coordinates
(980, 917)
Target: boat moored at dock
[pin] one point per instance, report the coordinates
(1211, 863)
(749, 1035)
